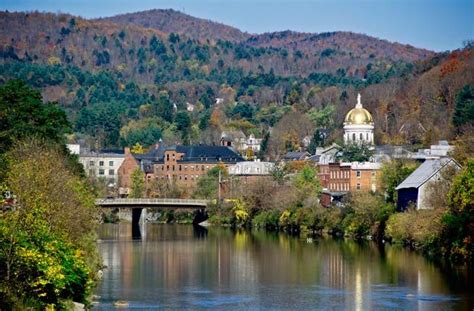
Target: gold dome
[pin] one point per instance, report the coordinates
(358, 115)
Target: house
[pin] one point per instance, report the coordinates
(102, 164)
(296, 156)
(414, 189)
(184, 165)
(240, 142)
(250, 171)
(125, 171)
(233, 139)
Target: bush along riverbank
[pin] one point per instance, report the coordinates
(446, 231)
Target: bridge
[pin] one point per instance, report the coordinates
(137, 205)
(156, 203)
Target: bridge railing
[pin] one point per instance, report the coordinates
(126, 201)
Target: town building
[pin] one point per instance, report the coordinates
(365, 176)
(240, 142)
(415, 188)
(102, 164)
(250, 171)
(359, 125)
(125, 171)
(184, 165)
(296, 156)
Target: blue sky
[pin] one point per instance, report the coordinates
(433, 24)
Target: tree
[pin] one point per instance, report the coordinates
(164, 107)
(393, 173)
(137, 149)
(47, 246)
(23, 114)
(306, 182)
(354, 152)
(138, 184)
(464, 109)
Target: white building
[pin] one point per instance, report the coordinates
(414, 189)
(252, 168)
(359, 125)
(102, 165)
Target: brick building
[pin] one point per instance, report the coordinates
(365, 176)
(125, 172)
(185, 164)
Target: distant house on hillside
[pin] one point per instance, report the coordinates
(296, 156)
(414, 189)
(240, 142)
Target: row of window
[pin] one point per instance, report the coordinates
(101, 163)
(102, 172)
(340, 187)
(185, 167)
(180, 177)
(361, 136)
(340, 174)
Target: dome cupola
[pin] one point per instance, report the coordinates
(358, 115)
(359, 125)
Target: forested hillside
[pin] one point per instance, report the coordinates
(173, 21)
(122, 83)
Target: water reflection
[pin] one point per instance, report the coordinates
(186, 267)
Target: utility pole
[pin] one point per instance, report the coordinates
(219, 190)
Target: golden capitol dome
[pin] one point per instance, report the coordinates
(358, 115)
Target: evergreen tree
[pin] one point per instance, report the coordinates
(464, 109)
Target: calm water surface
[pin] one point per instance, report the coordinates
(179, 267)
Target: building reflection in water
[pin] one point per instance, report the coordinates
(178, 265)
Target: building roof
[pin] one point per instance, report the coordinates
(233, 135)
(252, 168)
(204, 153)
(358, 115)
(424, 172)
(296, 155)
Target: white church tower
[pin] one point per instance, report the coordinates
(359, 125)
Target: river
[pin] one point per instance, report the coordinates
(182, 268)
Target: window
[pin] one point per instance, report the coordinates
(111, 172)
(167, 157)
(185, 177)
(101, 172)
(357, 173)
(167, 167)
(111, 163)
(361, 137)
(91, 172)
(202, 167)
(180, 168)
(358, 186)
(173, 168)
(91, 163)
(367, 136)
(101, 163)
(353, 136)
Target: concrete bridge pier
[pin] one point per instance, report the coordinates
(138, 223)
(200, 215)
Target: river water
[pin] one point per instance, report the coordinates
(182, 268)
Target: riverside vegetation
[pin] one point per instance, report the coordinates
(48, 256)
(288, 202)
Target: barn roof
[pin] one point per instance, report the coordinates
(424, 172)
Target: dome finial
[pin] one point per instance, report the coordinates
(359, 104)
